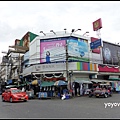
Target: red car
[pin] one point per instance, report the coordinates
(14, 95)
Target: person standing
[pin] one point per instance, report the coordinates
(81, 89)
(47, 57)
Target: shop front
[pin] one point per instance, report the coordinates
(46, 89)
(112, 75)
(81, 84)
(80, 80)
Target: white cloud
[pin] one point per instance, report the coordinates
(19, 17)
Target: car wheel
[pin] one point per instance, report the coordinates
(11, 100)
(25, 100)
(105, 95)
(110, 95)
(90, 95)
(3, 99)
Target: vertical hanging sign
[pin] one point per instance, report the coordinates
(97, 24)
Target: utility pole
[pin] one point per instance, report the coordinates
(67, 74)
(67, 56)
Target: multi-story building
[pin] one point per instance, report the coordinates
(11, 66)
(67, 56)
(69, 59)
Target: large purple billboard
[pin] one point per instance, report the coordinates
(111, 53)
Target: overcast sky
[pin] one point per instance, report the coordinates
(19, 17)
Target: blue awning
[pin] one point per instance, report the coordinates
(9, 81)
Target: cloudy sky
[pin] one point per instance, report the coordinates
(19, 17)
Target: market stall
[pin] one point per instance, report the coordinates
(46, 89)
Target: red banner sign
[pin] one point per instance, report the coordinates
(97, 24)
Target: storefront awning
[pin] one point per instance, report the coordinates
(10, 86)
(83, 81)
(9, 82)
(108, 73)
(46, 83)
(98, 80)
(85, 72)
(115, 79)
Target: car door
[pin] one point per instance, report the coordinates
(8, 95)
(5, 95)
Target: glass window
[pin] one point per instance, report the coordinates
(16, 90)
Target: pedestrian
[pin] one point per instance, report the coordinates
(81, 89)
(23, 89)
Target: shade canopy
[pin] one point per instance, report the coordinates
(10, 86)
(35, 82)
(9, 82)
(84, 81)
(115, 79)
(47, 83)
(60, 82)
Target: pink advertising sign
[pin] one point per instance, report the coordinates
(52, 50)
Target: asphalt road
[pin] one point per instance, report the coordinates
(79, 107)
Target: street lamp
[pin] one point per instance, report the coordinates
(73, 31)
(52, 31)
(77, 30)
(65, 30)
(43, 33)
(85, 33)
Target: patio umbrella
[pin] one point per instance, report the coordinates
(60, 82)
(35, 82)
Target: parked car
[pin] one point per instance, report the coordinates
(14, 95)
(100, 93)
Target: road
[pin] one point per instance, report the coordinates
(79, 107)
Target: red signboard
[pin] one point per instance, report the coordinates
(97, 50)
(97, 24)
(107, 68)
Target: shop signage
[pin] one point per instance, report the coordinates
(97, 24)
(96, 44)
(97, 50)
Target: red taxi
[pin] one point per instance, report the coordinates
(14, 95)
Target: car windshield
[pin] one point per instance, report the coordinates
(16, 90)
